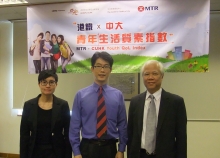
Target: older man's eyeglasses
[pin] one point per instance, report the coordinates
(99, 67)
(154, 74)
(51, 83)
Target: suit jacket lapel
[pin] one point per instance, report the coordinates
(141, 112)
(164, 104)
(55, 111)
(34, 112)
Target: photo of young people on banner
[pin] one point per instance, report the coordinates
(50, 53)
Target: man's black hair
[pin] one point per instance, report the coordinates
(103, 55)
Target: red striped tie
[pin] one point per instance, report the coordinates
(101, 126)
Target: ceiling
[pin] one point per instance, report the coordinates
(19, 12)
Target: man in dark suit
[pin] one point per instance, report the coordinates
(157, 125)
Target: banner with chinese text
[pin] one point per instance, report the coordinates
(65, 36)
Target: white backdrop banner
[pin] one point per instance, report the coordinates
(175, 33)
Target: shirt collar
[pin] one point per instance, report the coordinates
(157, 94)
(96, 87)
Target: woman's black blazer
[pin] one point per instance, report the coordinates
(59, 128)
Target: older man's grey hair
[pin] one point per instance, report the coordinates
(159, 64)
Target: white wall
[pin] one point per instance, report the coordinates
(9, 122)
(203, 137)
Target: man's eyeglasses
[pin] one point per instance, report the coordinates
(154, 74)
(51, 83)
(105, 67)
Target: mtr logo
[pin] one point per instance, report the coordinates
(149, 8)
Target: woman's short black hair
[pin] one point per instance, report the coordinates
(103, 55)
(47, 73)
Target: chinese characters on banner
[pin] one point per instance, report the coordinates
(175, 33)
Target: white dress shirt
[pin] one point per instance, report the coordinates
(157, 97)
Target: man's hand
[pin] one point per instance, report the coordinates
(119, 155)
(78, 156)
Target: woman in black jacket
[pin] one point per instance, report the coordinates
(45, 121)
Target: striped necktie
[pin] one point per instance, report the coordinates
(101, 127)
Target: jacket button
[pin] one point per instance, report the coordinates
(52, 134)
